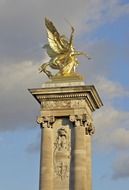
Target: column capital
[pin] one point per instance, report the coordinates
(46, 121)
(83, 120)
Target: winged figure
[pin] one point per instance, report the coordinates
(63, 55)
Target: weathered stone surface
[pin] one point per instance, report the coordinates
(46, 159)
(66, 126)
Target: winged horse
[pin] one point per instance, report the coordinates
(63, 56)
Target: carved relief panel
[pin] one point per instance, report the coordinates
(62, 150)
(60, 104)
(62, 140)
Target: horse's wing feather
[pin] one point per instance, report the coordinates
(54, 38)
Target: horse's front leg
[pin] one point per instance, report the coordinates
(43, 68)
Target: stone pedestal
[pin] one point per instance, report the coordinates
(66, 127)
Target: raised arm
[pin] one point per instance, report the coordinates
(71, 36)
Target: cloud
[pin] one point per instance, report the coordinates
(17, 105)
(110, 89)
(120, 138)
(109, 56)
(33, 148)
(110, 121)
(121, 167)
(1, 140)
(111, 129)
(22, 29)
(15, 75)
(120, 10)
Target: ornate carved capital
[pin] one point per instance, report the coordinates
(84, 121)
(46, 121)
(89, 128)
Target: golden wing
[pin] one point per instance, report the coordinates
(56, 42)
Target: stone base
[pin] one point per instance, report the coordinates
(60, 81)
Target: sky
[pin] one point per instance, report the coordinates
(102, 30)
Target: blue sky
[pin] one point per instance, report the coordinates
(102, 30)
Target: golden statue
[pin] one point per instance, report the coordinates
(63, 55)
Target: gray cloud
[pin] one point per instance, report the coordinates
(121, 167)
(18, 108)
(106, 56)
(21, 22)
(22, 32)
(111, 129)
(110, 121)
(33, 148)
(110, 89)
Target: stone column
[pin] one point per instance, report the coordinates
(46, 156)
(81, 154)
(88, 162)
(79, 159)
(89, 130)
(66, 146)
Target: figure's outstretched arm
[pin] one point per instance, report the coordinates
(82, 53)
(71, 36)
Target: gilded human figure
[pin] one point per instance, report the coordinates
(61, 51)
